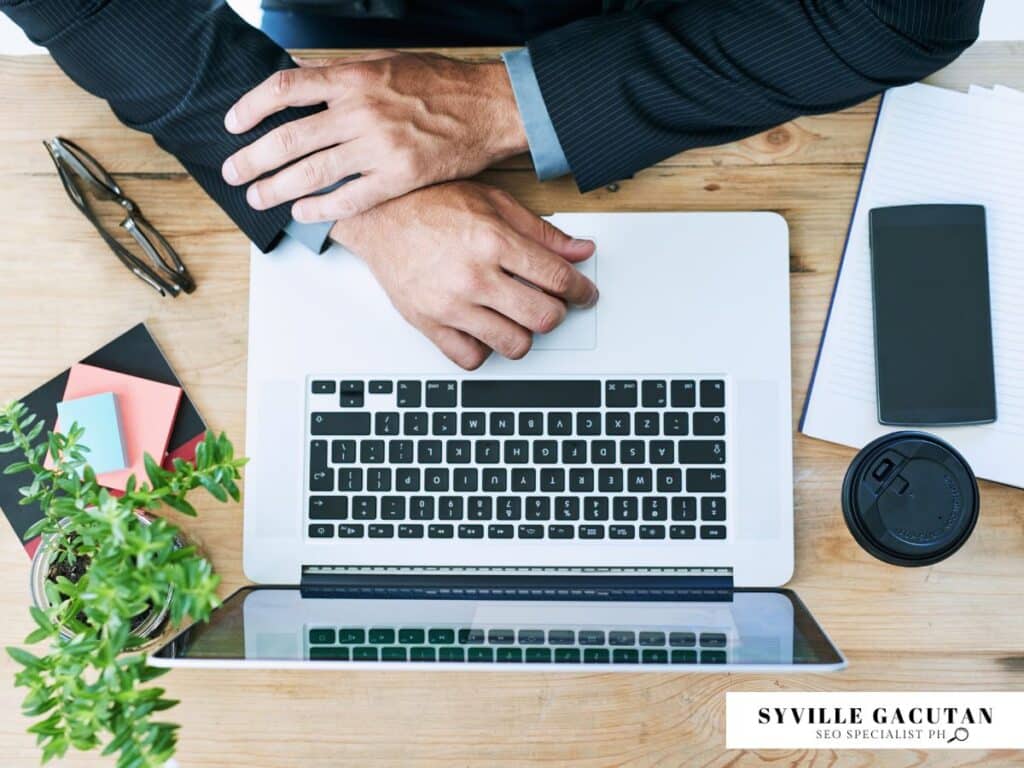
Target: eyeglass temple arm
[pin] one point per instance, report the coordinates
(141, 235)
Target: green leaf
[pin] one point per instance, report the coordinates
(181, 505)
(24, 658)
(215, 490)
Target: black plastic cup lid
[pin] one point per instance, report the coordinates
(910, 499)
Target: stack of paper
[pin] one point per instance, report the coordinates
(934, 146)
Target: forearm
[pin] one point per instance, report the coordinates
(170, 69)
(629, 89)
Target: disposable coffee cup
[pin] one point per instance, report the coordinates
(910, 498)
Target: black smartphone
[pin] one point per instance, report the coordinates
(933, 324)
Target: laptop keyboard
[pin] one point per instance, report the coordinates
(592, 459)
(504, 644)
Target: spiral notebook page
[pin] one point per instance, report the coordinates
(934, 146)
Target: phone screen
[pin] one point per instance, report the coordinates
(933, 327)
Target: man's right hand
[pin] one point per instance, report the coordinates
(453, 258)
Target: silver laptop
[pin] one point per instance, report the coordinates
(640, 452)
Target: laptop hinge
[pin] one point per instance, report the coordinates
(479, 583)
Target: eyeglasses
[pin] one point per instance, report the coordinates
(81, 176)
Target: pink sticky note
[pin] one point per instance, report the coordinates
(147, 411)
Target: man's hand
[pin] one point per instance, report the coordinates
(453, 258)
(401, 120)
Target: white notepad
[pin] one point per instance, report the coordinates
(934, 146)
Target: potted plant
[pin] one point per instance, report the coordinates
(109, 576)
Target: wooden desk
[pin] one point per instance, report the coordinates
(957, 625)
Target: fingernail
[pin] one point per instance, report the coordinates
(229, 172)
(593, 299)
(253, 196)
(231, 120)
(577, 242)
(300, 212)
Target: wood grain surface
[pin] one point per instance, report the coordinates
(954, 626)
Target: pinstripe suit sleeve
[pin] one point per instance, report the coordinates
(170, 68)
(625, 90)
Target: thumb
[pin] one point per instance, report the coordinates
(543, 232)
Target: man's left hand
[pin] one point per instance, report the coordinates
(400, 120)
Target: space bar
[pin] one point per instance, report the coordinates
(531, 393)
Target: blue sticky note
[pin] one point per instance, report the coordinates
(98, 416)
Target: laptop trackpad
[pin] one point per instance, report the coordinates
(579, 329)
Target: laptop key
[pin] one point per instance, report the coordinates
(684, 509)
(552, 480)
(321, 477)
(652, 638)
(669, 480)
(662, 451)
(503, 423)
(574, 452)
(621, 637)
(509, 655)
(422, 653)
(655, 508)
(350, 479)
(392, 654)
(617, 423)
(683, 393)
(435, 480)
(364, 508)
(400, 452)
(381, 387)
(531, 423)
(457, 452)
(471, 636)
(561, 637)
(421, 508)
(567, 655)
(655, 656)
(621, 532)
(559, 423)
(480, 655)
(652, 531)
(351, 636)
(350, 400)
(440, 531)
(488, 451)
(480, 508)
(639, 480)
(712, 531)
(712, 394)
(378, 479)
(531, 531)
(545, 452)
(415, 424)
(701, 452)
(654, 394)
(582, 480)
(712, 657)
(561, 531)
(531, 637)
(620, 394)
(682, 639)
(350, 531)
(449, 508)
(538, 508)
(501, 636)
(538, 655)
(677, 423)
(407, 480)
(595, 508)
(509, 508)
(339, 423)
(409, 394)
(626, 656)
(380, 636)
(429, 451)
(441, 636)
(682, 532)
(602, 452)
(567, 508)
(517, 452)
(712, 639)
(473, 423)
(495, 480)
(684, 657)
(588, 423)
(328, 654)
(392, 508)
(709, 423)
(343, 451)
(646, 424)
(471, 531)
(500, 531)
(451, 654)
(382, 531)
(321, 387)
(385, 424)
(591, 637)
(466, 480)
(322, 637)
(609, 480)
(625, 508)
(591, 531)
(321, 531)
(705, 480)
(712, 509)
(328, 507)
(410, 531)
(596, 656)
(442, 394)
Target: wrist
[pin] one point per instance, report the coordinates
(502, 122)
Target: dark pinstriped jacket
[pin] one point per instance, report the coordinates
(624, 89)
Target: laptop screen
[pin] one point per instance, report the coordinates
(280, 626)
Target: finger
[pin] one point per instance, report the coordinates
(461, 348)
(353, 59)
(362, 194)
(527, 306)
(282, 145)
(306, 177)
(548, 271)
(285, 88)
(526, 223)
(496, 331)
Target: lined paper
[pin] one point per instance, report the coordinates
(934, 146)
